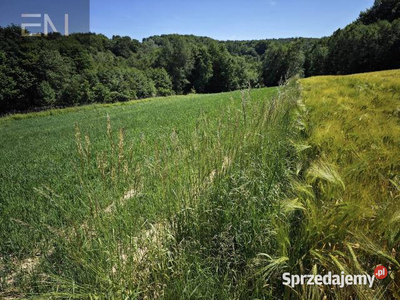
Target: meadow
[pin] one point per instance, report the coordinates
(49, 184)
(205, 196)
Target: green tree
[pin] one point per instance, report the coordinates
(202, 69)
(177, 58)
(162, 81)
(124, 46)
(46, 94)
(381, 10)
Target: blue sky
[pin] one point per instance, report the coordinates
(219, 19)
(224, 19)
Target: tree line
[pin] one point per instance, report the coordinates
(37, 72)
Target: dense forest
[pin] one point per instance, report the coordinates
(54, 71)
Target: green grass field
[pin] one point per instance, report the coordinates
(40, 152)
(47, 188)
(205, 196)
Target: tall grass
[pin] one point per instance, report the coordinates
(178, 217)
(38, 153)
